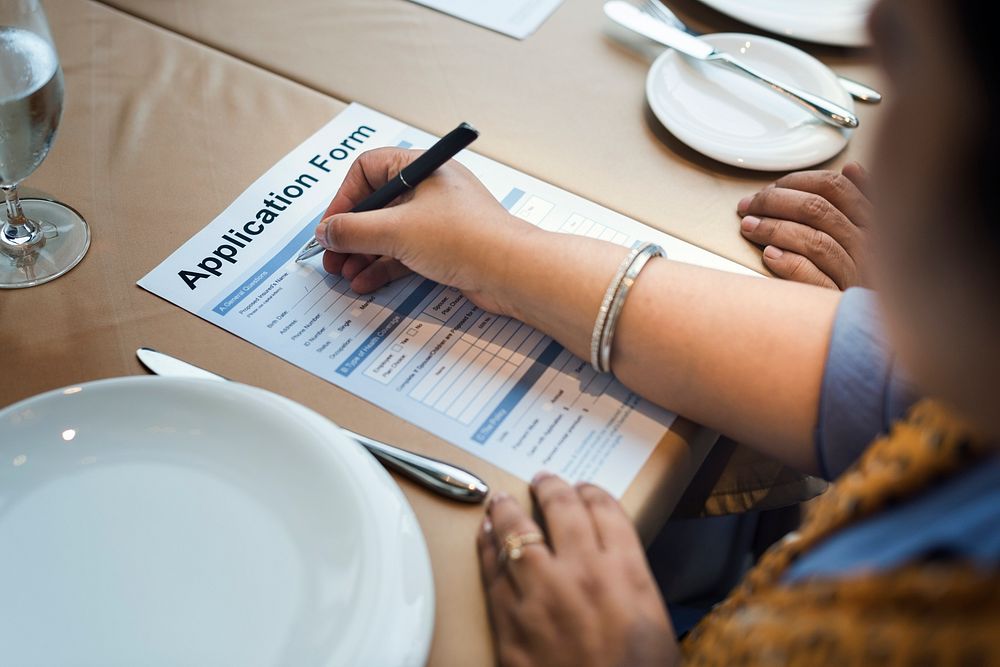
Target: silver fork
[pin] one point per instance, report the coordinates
(659, 11)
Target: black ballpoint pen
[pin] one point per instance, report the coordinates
(409, 177)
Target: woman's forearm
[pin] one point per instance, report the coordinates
(741, 355)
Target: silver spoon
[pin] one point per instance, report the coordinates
(857, 90)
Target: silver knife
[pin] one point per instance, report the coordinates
(635, 19)
(857, 90)
(443, 478)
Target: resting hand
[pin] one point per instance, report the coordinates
(814, 226)
(585, 599)
(449, 229)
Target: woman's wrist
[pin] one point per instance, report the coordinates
(555, 282)
(503, 261)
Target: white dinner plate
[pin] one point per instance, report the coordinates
(837, 22)
(734, 120)
(161, 521)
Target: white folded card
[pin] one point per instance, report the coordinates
(517, 18)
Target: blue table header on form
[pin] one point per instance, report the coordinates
(381, 333)
(512, 198)
(517, 392)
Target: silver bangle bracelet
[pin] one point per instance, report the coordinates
(646, 253)
(602, 313)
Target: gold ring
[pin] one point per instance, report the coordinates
(513, 545)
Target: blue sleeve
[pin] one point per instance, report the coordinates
(863, 391)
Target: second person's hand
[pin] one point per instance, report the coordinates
(813, 226)
(449, 229)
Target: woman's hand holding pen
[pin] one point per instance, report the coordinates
(449, 229)
(452, 230)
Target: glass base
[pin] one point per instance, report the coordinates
(67, 238)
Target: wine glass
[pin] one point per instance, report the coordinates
(40, 239)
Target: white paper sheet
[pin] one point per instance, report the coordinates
(517, 18)
(420, 350)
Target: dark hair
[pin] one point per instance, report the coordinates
(974, 21)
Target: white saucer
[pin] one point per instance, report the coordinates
(837, 22)
(158, 521)
(734, 120)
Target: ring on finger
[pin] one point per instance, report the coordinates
(514, 544)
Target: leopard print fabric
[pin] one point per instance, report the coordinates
(939, 612)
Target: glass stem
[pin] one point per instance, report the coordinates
(19, 236)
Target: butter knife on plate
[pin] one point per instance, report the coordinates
(635, 19)
(443, 478)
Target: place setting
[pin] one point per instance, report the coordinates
(745, 100)
(160, 518)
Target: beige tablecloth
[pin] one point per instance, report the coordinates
(159, 134)
(566, 105)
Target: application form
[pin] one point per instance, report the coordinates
(517, 18)
(491, 385)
